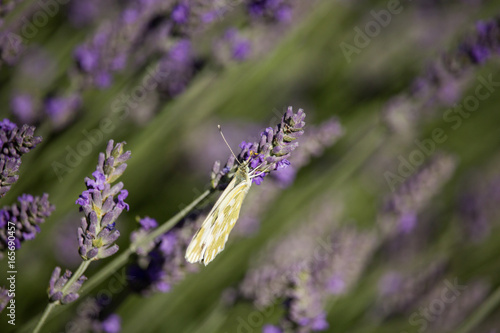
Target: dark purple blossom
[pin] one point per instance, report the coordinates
(161, 264)
(57, 283)
(97, 234)
(27, 215)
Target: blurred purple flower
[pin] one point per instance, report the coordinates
(444, 80)
(329, 258)
(23, 108)
(180, 13)
(61, 109)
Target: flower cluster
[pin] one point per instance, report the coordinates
(161, 264)
(444, 80)
(27, 215)
(269, 154)
(14, 142)
(328, 262)
(312, 144)
(57, 283)
(97, 233)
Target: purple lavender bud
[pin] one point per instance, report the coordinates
(57, 283)
(275, 145)
(27, 216)
(103, 204)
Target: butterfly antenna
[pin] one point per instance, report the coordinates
(220, 130)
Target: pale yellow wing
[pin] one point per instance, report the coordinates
(212, 236)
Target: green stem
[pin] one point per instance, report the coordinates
(79, 272)
(169, 224)
(44, 317)
(481, 312)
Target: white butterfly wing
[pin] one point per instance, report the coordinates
(212, 236)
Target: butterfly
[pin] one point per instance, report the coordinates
(212, 236)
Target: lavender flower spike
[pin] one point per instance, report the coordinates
(271, 153)
(14, 142)
(97, 234)
(27, 215)
(57, 283)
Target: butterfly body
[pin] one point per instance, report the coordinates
(213, 234)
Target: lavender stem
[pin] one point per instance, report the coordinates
(45, 315)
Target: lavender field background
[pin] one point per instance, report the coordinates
(384, 217)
